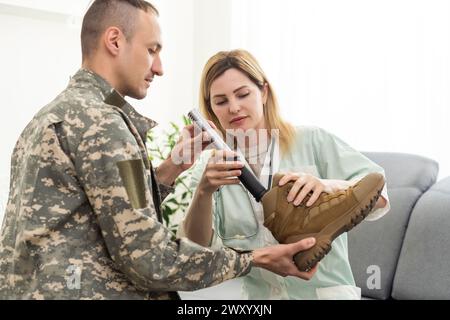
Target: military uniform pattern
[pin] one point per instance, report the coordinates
(70, 231)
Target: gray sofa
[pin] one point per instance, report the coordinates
(405, 254)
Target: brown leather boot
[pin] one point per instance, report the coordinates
(330, 216)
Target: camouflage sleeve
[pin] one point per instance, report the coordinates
(139, 245)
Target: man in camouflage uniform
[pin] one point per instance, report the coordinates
(83, 220)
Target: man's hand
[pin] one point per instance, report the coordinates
(188, 148)
(280, 258)
(190, 145)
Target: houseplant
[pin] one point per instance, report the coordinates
(159, 148)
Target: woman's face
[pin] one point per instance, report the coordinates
(237, 102)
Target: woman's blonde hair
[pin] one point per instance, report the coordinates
(245, 62)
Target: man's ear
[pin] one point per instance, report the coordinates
(112, 39)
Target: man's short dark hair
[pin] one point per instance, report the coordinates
(103, 14)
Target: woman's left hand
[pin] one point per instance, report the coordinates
(303, 184)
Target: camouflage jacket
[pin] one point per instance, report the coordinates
(75, 229)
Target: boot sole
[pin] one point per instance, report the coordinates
(306, 260)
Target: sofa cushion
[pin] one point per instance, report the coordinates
(374, 247)
(406, 170)
(423, 269)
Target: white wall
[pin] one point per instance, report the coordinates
(212, 33)
(65, 7)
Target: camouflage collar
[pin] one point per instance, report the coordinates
(109, 95)
(142, 124)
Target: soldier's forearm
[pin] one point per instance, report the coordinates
(167, 172)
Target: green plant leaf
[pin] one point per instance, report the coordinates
(159, 147)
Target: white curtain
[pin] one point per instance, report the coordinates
(376, 73)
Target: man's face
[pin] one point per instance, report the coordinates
(139, 59)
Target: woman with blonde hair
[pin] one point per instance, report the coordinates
(236, 95)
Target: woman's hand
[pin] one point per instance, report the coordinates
(219, 171)
(304, 184)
